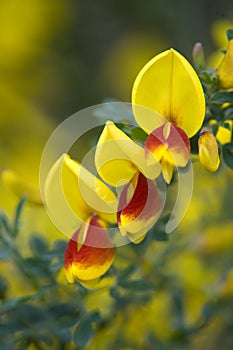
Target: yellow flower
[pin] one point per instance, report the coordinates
(169, 86)
(121, 162)
(208, 151)
(225, 69)
(79, 202)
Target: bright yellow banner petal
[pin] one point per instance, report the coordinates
(72, 194)
(169, 85)
(118, 158)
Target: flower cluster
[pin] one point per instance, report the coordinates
(169, 105)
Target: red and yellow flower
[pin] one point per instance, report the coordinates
(121, 163)
(77, 201)
(168, 85)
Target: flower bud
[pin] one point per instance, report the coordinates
(225, 69)
(208, 151)
(198, 56)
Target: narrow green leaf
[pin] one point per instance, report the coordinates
(137, 285)
(4, 254)
(127, 272)
(114, 110)
(138, 134)
(215, 129)
(38, 245)
(83, 333)
(206, 76)
(229, 34)
(227, 152)
(6, 224)
(226, 126)
(18, 212)
(228, 113)
(159, 235)
(222, 97)
(194, 144)
(95, 317)
(3, 286)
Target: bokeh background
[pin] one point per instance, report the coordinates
(58, 57)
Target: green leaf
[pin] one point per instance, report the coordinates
(138, 134)
(95, 317)
(64, 335)
(84, 332)
(113, 110)
(194, 143)
(3, 286)
(227, 152)
(226, 126)
(229, 34)
(158, 233)
(137, 285)
(216, 112)
(38, 245)
(222, 97)
(207, 76)
(18, 212)
(4, 254)
(215, 129)
(59, 247)
(228, 113)
(6, 224)
(127, 272)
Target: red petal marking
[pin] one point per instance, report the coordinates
(171, 138)
(145, 203)
(96, 249)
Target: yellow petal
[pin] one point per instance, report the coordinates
(167, 170)
(118, 158)
(225, 70)
(223, 135)
(169, 85)
(19, 186)
(89, 284)
(136, 239)
(208, 151)
(72, 194)
(95, 256)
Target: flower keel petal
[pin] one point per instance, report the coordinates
(94, 257)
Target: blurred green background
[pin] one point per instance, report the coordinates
(61, 56)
